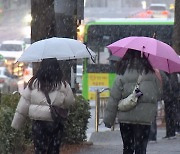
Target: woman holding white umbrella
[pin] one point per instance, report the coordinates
(46, 86)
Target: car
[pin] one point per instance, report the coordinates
(11, 50)
(8, 82)
(158, 10)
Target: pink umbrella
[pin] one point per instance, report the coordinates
(160, 55)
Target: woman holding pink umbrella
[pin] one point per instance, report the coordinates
(135, 123)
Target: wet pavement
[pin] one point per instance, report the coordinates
(109, 142)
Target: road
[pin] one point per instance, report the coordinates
(106, 141)
(12, 24)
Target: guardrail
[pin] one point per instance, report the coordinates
(100, 107)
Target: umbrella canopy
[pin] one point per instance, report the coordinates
(160, 55)
(60, 48)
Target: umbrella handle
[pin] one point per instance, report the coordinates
(92, 58)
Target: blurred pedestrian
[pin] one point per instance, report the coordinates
(178, 108)
(153, 130)
(134, 124)
(48, 79)
(170, 97)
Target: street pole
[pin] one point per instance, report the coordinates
(56, 18)
(43, 19)
(43, 22)
(67, 15)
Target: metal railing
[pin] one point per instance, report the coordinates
(101, 103)
(160, 118)
(100, 107)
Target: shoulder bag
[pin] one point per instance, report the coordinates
(130, 102)
(58, 114)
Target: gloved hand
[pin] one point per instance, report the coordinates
(138, 93)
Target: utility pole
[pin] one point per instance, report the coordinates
(68, 14)
(43, 22)
(43, 19)
(58, 18)
(176, 31)
(65, 16)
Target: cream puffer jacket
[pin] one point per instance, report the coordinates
(33, 103)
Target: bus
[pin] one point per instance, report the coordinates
(98, 34)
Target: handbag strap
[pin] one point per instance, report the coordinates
(139, 79)
(138, 82)
(47, 98)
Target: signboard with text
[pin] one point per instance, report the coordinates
(97, 81)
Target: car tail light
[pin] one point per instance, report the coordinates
(149, 12)
(165, 12)
(2, 80)
(26, 72)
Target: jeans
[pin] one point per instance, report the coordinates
(46, 137)
(135, 138)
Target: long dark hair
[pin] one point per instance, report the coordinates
(48, 77)
(133, 60)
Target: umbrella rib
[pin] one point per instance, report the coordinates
(90, 54)
(71, 50)
(168, 65)
(116, 51)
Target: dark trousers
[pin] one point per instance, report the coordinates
(170, 118)
(135, 138)
(46, 137)
(178, 116)
(153, 131)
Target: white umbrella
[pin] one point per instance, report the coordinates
(60, 48)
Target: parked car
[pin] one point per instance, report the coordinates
(8, 82)
(158, 10)
(11, 50)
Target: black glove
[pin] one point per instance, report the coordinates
(138, 93)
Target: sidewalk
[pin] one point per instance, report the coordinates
(109, 142)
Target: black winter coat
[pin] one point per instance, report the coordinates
(170, 86)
